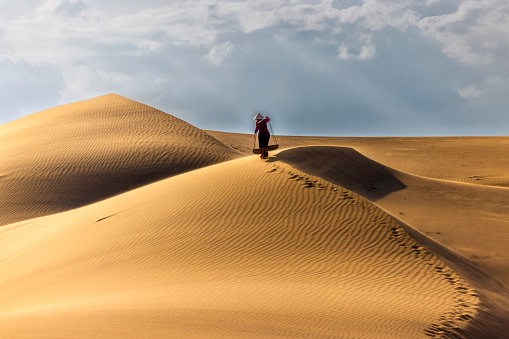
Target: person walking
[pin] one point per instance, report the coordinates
(263, 134)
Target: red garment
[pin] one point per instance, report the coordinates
(261, 126)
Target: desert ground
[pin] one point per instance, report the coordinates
(122, 221)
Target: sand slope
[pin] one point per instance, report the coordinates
(240, 249)
(75, 154)
(473, 220)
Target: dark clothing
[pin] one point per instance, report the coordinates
(263, 135)
(261, 126)
(263, 139)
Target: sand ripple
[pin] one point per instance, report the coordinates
(240, 249)
(72, 155)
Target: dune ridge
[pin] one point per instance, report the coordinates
(75, 154)
(239, 249)
(475, 160)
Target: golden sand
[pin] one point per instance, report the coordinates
(75, 154)
(313, 242)
(466, 210)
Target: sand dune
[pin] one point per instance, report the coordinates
(315, 242)
(75, 154)
(472, 220)
(241, 249)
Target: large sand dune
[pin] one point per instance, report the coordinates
(244, 248)
(75, 154)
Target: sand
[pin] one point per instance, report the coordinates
(308, 243)
(476, 160)
(466, 210)
(75, 154)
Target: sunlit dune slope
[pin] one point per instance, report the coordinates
(75, 154)
(244, 248)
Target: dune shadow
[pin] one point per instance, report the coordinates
(345, 167)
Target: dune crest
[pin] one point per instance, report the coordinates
(75, 154)
(475, 160)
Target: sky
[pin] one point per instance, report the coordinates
(317, 68)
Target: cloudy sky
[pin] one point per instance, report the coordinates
(329, 67)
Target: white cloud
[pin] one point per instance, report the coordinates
(130, 46)
(65, 31)
(85, 79)
(58, 30)
(365, 52)
(477, 33)
(378, 14)
(469, 92)
(360, 49)
(52, 33)
(252, 16)
(187, 23)
(219, 52)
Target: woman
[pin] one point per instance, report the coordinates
(263, 134)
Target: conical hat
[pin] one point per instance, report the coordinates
(258, 116)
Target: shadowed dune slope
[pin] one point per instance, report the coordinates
(75, 154)
(245, 248)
